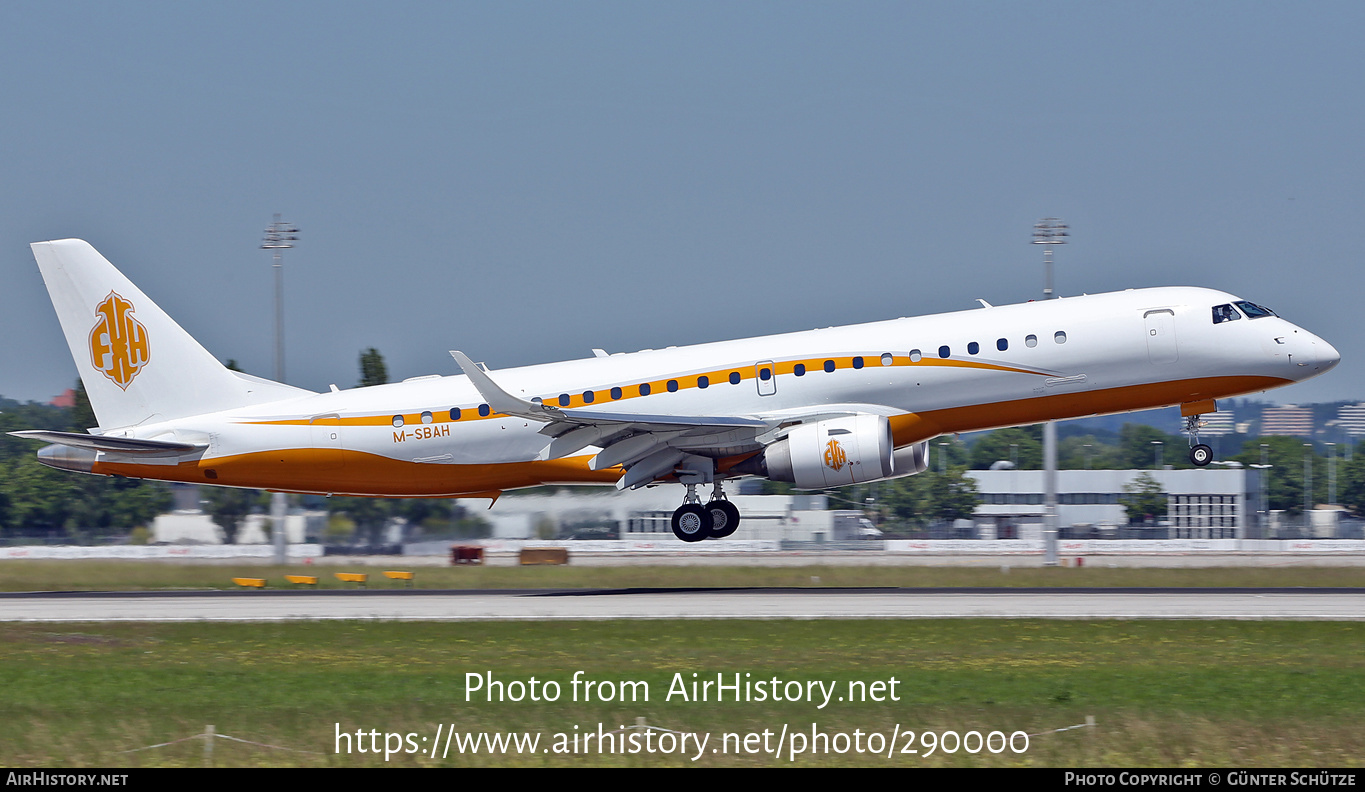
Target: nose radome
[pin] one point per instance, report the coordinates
(1327, 355)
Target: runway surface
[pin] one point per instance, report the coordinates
(425, 605)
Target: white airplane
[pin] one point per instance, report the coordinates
(820, 408)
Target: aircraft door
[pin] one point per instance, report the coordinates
(766, 377)
(1161, 343)
(324, 435)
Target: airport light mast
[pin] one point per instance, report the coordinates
(1049, 232)
(279, 236)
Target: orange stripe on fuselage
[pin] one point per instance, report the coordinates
(300, 470)
(716, 379)
(918, 427)
(360, 473)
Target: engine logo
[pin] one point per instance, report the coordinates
(835, 458)
(118, 342)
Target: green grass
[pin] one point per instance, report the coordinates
(1163, 694)
(32, 575)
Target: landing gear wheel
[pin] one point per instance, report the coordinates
(1201, 455)
(724, 518)
(692, 522)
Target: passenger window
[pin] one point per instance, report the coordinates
(563, 400)
(887, 359)
(1002, 344)
(944, 351)
(973, 348)
(644, 389)
(427, 417)
(703, 381)
(454, 413)
(734, 378)
(765, 373)
(800, 370)
(915, 356)
(397, 420)
(1030, 341)
(484, 410)
(1059, 337)
(857, 362)
(672, 386)
(588, 397)
(615, 393)
(829, 365)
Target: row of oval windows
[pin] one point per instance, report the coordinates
(764, 374)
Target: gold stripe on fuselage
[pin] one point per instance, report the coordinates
(361, 473)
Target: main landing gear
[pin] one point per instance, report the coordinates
(1200, 455)
(694, 522)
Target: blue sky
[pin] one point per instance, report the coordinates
(526, 181)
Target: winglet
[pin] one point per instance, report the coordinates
(498, 399)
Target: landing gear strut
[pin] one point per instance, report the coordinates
(1200, 455)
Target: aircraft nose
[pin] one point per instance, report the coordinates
(1315, 356)
(1327, 355)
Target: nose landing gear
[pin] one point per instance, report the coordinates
(1200, 454)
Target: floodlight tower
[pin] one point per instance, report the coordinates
(279, 236)
(1049, 232)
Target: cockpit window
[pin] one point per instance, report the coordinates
(1254, 311)
(1225, 313)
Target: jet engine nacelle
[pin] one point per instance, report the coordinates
(834, 453)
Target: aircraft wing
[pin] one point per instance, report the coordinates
(650, 446)
(625, 438)
(507, 404)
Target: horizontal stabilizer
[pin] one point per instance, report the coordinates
(119, 445)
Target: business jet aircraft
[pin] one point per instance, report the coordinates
(820, 408)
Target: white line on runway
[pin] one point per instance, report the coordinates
(693, 605)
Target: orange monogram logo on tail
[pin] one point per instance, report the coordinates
(118, 342)
(834, 455)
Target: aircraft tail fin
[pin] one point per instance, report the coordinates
(137, 364)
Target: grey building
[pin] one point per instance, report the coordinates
(1208, 503)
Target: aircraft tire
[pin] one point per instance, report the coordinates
(692, 522)
(724, 518)
(1201, 455)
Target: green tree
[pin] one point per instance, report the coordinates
(1086, 452)
(82, 414)
(1142, 498)
(1138, 448)
(1020, 444)
(40, 500)
(228, 507)
(1351, 482)
(372, 368)
(370, 515)
(931, 496)
(1284, 480)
